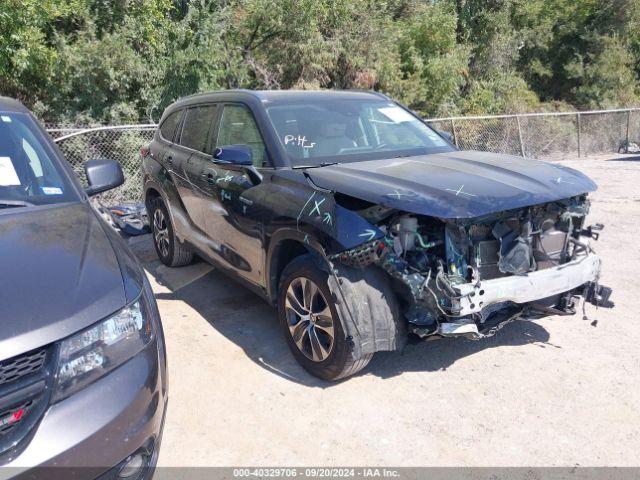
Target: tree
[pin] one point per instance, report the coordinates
(27, 55)
(126, 60)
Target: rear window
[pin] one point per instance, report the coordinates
(197, 128)
(168, 127)
(30, 174)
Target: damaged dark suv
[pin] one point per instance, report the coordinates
(362, 224)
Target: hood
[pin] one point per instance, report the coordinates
(460, 184)
(60, 274)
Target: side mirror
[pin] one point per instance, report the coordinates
(446, 135)
(102, 175)
(233, 154)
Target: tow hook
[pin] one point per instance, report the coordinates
(592, 231)
(598, 295)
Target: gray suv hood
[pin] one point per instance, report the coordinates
(460, 184)
(60, 274)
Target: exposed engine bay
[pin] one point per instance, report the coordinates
(470, 277)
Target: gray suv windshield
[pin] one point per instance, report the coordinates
(320, 131)
(29, 172)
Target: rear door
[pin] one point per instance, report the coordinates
(161, 147)
(189, 155)
(168, 130)
(231, 222)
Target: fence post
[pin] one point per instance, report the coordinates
(455, 135)
(520, 136)
(626, 148)
(579, 142)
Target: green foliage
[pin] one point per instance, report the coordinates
(434, 65)
(506, 92)
(26, 54)
(607, 76)
(581, 52)
(126, 60)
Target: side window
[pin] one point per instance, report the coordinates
(197, 127)
(238, 127)
(168, 127)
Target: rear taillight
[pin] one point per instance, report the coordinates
(144, 151)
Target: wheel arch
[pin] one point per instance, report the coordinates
(376, 326)
(153, 189)
(149, 195)
(284, 246)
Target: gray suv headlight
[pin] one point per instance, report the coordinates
(90, 354)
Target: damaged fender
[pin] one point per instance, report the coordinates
(326, 228)
(368, 308)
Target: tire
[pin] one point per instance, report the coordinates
(326, 357)
(169, 249)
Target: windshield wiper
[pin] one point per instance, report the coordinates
(15, 203)
(323, 164)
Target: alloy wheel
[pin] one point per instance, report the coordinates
(161, 232)
(309, 319)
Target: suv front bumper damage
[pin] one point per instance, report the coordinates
(480, 308)
(500, 301)
(528, 287)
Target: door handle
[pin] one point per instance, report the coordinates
(170, 160)
(210, 177)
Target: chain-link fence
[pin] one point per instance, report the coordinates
(547, 136)
(121, 143)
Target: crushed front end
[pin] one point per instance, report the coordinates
(470, 277)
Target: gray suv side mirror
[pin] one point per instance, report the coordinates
(102, 175)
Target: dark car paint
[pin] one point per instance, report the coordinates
(299, 204)
(461, 184)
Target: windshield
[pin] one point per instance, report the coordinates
(316, 132)
(29, 173)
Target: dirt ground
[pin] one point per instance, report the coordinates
(555, 392)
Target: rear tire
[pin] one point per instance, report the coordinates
(169, 249)
(311, 324)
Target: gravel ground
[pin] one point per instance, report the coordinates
(555, 392)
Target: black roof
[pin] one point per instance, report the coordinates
(275, 95)
(10, 105)
(314, 94)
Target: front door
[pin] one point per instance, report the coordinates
(231, 223)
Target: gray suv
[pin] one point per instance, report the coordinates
(83, 383)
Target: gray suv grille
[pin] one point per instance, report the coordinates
(22, 365)
(11, 418)
(24, 394)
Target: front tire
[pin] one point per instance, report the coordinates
(169, 249)
(311, 324)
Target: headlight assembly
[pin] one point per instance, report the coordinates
(90, 354)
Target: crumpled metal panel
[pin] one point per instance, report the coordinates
(529, 287)
(460, 184)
